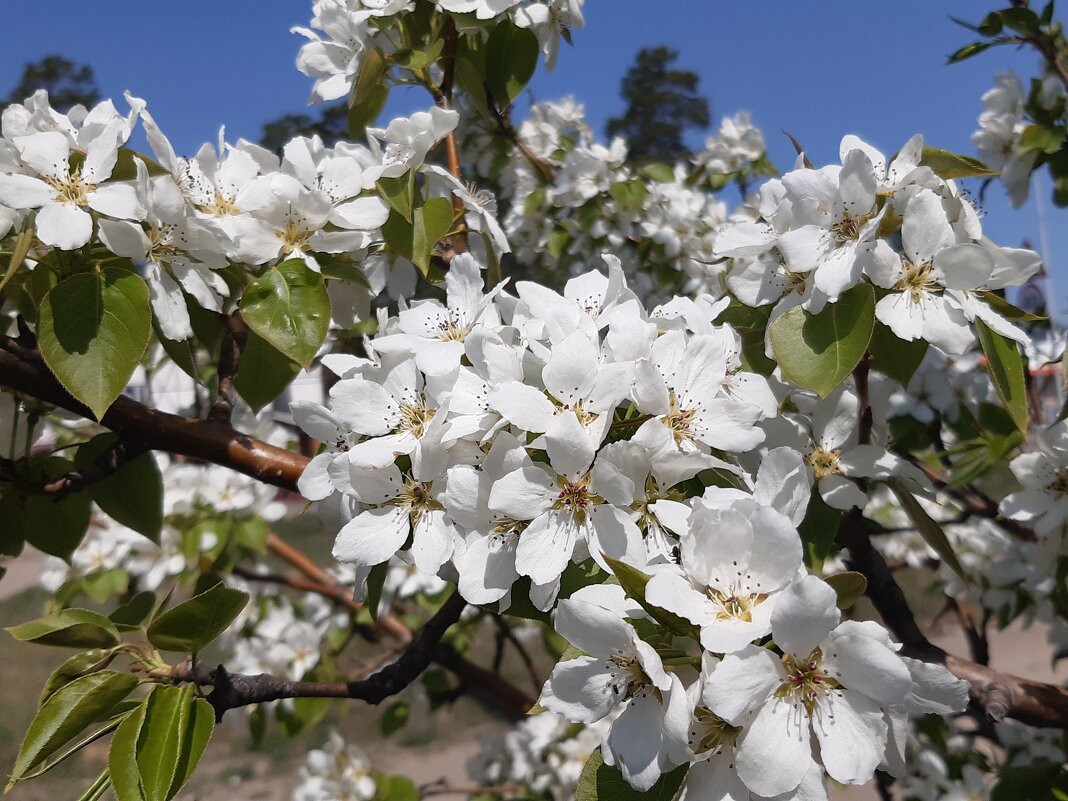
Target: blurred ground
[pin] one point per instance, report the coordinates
(233, 772)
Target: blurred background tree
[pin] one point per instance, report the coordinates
(68, 84)
(662, 104)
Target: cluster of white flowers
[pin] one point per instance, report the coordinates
(1001, 125)
(336, 772)
(544, 753)
(184, 219)
(343, 32)
(493, 440)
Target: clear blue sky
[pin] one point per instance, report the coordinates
(818, 70)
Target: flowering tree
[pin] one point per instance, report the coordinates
(528, 436)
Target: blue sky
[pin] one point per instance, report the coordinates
(818, 70)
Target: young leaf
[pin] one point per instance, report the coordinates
(818, 530)
(399, 193)
(600, 782)
(849, 586)
(895, 357)
(192, 624)
(160, 742)
(133, 614)
(947, 164)
(633, 582)
(133, 494)
(93, 328)
(1006, 371)
(67, 712)
(415, 241)
(74, 668)
(818, 351)
(289, 307)
(928, 527)
(122, 757)
(73, 628)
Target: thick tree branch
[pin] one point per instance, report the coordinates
(140, 426)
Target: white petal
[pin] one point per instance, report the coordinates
(774, 752)
(372, 536)
(741, 682)
(365, 406)
(64, 226)
(805, 613)
(523, 494)
(852, 735)
(546, 546)
(523, 405)
(581, 690)
(168, 303)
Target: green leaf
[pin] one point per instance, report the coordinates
(18, 255)
(93, 329)
(399, 193)
(369, 93)
(600, 782)
(1041, 139)
(849, 586)
(133, 614)
(659, 172)
(67, 712)
(162, 734)
(895, 357)
(511, 58)
(630, 195)
(928, 527)
(947, 164)
(818, 351)
(818, 530)
(251, 534)
(263, 372)
(289, 307)
(391, 787)
(192, 624)
(72, 628)
(122, 757)
(394, 718)
(415, 241)
(633, 582)
(198, 732)
(1006, 368)
(1007, 310)
(969, 50)
(74, 668)
(56, 527)
(133, 494)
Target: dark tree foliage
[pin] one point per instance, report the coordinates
(331, 125)
(68, 84)
(662, 103)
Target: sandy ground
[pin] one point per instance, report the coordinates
(233, 773)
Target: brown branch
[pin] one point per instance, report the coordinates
(230, 691)
(975, 502)
(235, 335)
(140, 426)
(507, 129)
(106, 464)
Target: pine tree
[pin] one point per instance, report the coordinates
(68, 84)
(662, 103)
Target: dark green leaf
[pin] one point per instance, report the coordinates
(818, 530)
(289, 307)
(92, 330)
(599, 782)
(818, 351)
(74, 668)
(1007, 310)
(947, 164)
(122, 757)
(894, 357)
(511, 57)
(1006, 368)
(73, 628)
(160, 741)
(67, 712)
(192, 624)
(56, 527)
(263, 372)
(376, 580)
(133, 614)
(18, 255)
(394, 718)
(133, 494)
(415, 241)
